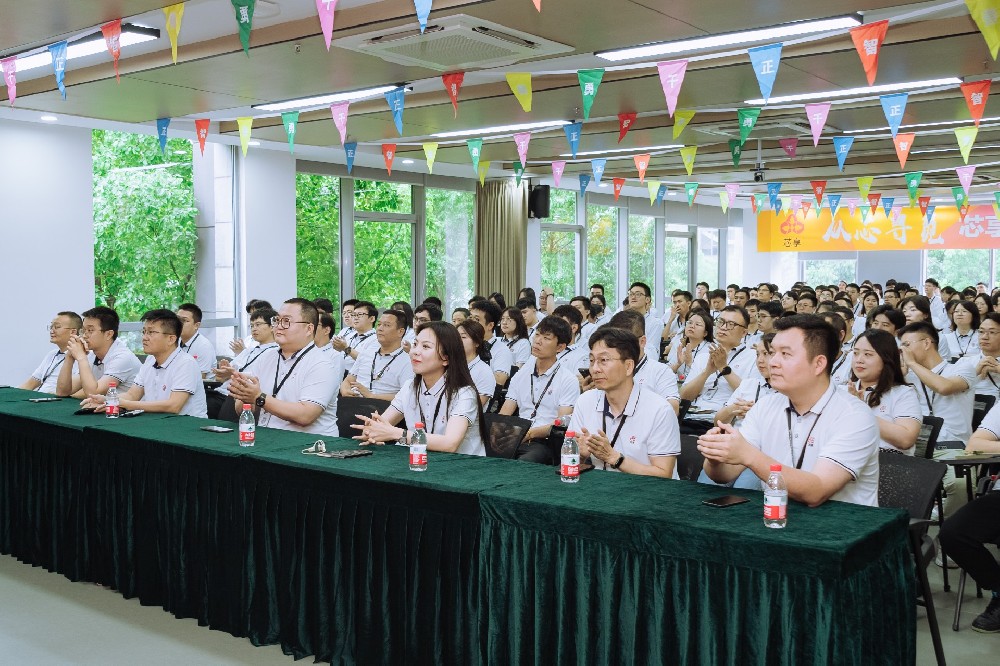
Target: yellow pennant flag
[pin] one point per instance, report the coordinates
(654, 187)
(966, 138)
(483, 168)
(865, 186)
(724, 201)
(681, 120)
(520, 85)
(687, 155)
(174, 14)
(245, 124)
(430, 152)
(986, 14)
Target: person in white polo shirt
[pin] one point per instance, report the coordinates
(583, 306)
(649, 373)
(363, 317)
(193, 343)
(46, 375)
(487, 314)
(263, 337)
(475, 349)
(825, 440)
(169, 381)
(640, 299)
(987, 363)
(621, 425)
(292, 387)
(96, 357)
(381, 371)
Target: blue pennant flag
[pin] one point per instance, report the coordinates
(350, 149)
(598, 168)
(930, 212)
(58, 52)
(773, 189)
(842, 146)
(887, 204)
(161, 131)
(584, 181)
(834, 201)
(573, 132)
(893, 106)
(765, 60)
(396, 98)
(660, 193)
(423, 8)
(777, 205)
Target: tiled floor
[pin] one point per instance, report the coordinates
(46, 619)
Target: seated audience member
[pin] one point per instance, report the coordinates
(442, 396)
(193, 343)
(868, 303)
(890, 298)
(840, 373)
(789, 300)
(347, 317)
(501, 360)
(477, 356)
(543, 390)
(435, 301)
(363, 316)
(623, 426)
(323, 305)
(701, 290)
(410, 334)
(753, 334)
(932, 291)
(750, 390)
(649, 373)
(886, 318)
(108, 358)
(961, 335)
(987, 364)
(169, 381)
(916, 309)
(324, 332)
(599, 309)
(382, 370)
(716, 301)
(983, 303)
(515, 335)
(292, 387)
(263, 336)
(426, 313)
(529, 313)
(806, 303)
(640, 300)
(698, 338)
(237, 345)
(576, 352)
(765, 292)
(741, 296)
(678, 313)
(714, 376)
(831, 448)
(459, 315)
(46, 375)
(582, 303)
(768, 313)
(498, 299)
(546, 302)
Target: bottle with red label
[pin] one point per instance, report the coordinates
(111, 401)
(248, 426)
(418, 449)
(775, 499)
(570, 459)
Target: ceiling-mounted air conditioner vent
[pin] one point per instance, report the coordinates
(764, 129)
(453, 43)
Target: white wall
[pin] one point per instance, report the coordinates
(47, 257)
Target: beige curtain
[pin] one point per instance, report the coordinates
(501, 238)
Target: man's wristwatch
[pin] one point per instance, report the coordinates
(261, 399)
(348, 350)
(725, 371)
(620, 461)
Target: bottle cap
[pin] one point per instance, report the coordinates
(113, 384)
(557, 422)
(571, 433)
(247, 407)
(776, 467)
(418, 424)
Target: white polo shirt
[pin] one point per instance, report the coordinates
(306, 376)
(955, 409)
(539, 397)
(575, 356)
(410, 335)
(751, 389)
(179, 372)
(382, 373)
(501, 359)
(991, 421)
(201, 350)
(47, 372)
(715, 393)
(244, 360)
(657, 377)
(839, 428)
(842, 368)
(990, 385)
(520, 350)
(899, 402)
(961, 345)
(654, 331)
(483, 377)
(119, 363)
(586, 330)
(648, 425)
(433, 409)
(684, 371)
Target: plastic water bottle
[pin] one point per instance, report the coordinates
(111, 401)
(570, 459)
(418, 449)
(248, 426)
(775, 499)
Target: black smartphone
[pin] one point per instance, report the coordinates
(216, 429)
(724, 501)
(585, 372)
(44, 399)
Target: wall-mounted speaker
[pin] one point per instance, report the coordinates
(538, 202)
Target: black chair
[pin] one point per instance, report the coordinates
(927, 439)
(911, 483)
(690, 461)
(505, 433)
(981, 405)
(348, 407)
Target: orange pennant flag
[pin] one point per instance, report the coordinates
(453, 83)
(201, 127)
(618, 183)
(868, 40)
(641, 163)
(112, 37)
(903, 144)
(976, 93)
(389, 154)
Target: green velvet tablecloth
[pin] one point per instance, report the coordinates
(361, 561)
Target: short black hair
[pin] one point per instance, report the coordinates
(367, 307)
(309, 313)
(835, 320)
(523, 303)
(772, 308)
(808, 296)
(920, 327)
(404, 307)
(434, 300)
(350, 302)
(643, 286)
(597, 285)
(846, 313)
(583, 300)
(569, 312)
(819, 336)
(263, 313)
(489, 309)
(170, 321)
(686, 295)
(741, 311)
(257, 304)
(74, 319)
(895, 317)
(108, 318)
(716, 293)
(433, 311)
(464, 311)
(326, 321)
(621, 340)
(398, 315)
(932, 281)
(324, 304)
(629, 320)
(702, 284)
(556, 326)
(193, 309)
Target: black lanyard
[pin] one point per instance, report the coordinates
(53, 365)
(927, 396)
(843, 357)
(569, 350)
(805, 442)
(604, 423)
(277, 386)
(372, 378)
(639, 367)
(260, 351)
(437, 410)
(958, 341)
(187, 345)
(534, 374)
(358, 339)
(511, 343)
(718, 373)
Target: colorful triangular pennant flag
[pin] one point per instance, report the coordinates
(244, 19)
(388, 155)
(430, 153)
(475, 152)
(834, 202)
(852, 205)
(773, 190)
(747, 118)
(573, 131)
(790, 146)
(557, 171)
(423, 8)
(765, 60)
(913, 185)
(733, 190)
(984, 13)
(819, 189)
(58, 53)
(625, 122)
(590, 80)
(842, 146)
(521, 140)
(201, 130)
(681, 120)
(873, 200)
(893, 106)
(976, 93)
(162, 124)
(961, 198)
(584, 182)
(736, 150)
(924, 203)
(518, 172)
(817, 114)
(9, 66)
(965, 174)
(724, 202)
(290, 119)
(396, 99)
(653, 186)
(597, 167)
(671, 78)
(887, 205)
(484, 167)
(453, 83)
(641, 164)
(868, 40)
(687, 156)
(691, 189)
(112, 32)
(174, 14)
(350, 150)
(339, 112)
(966, 139)
(245, 124)
(903, 143)
(520, 85)
(325, 10)
(617, 184)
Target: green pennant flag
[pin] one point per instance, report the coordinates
(912, 185)
(692, 192)
(590, 80)
(475, 152)
(244, 17)
(518, 172)
(736, 149)
(291, 122)
(748, 118)
(864, 212)
(759, 198)
(961, 198)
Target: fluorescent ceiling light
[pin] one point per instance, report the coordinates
(637, 151)
(407, 161)
(49, 119)
(326, 100)
(858, 92)
(502, 129)
(253, 143)
(90, 45)
(941, 123)
(603, 185)
(731, 39)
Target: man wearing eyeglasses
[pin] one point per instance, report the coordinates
(714, 376)
(98, 356)
(380, 372)
(292, 387)
(640, 300)
(170, 380)
(46, 375)
(987, 363)
(363, 319)
(263, 336)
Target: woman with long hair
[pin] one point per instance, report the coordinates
(515, 335)
(962, 338)
(696, 339)
(878, 381)
(477, 355)
(443, 397)
(983, 303)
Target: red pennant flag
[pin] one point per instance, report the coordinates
(201, 127)
(975, 97)
(641, 163)
(453, 83)
(790, 146)
(924, 203)
(819, 189)
(806, 206)
(962, 212)
(868, 40)
(618, 183)
(873, 201)
(112, 37)
(625, 122)
(903, 144)
(389, 154)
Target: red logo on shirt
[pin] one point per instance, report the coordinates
(631, 440)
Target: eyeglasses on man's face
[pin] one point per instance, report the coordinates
(149, 332)
(285, 322)
(727, 324)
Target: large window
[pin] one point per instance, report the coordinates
(641, 249)
(734, 255)
(602, 248)
(383, 242)
(676, 260)
(317, 237)
(829, 271)
(559, 251)
(708, 257)
(562, 207)
(451, 246)
(958, 268)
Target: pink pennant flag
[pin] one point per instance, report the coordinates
(522, 141)
(339, 112)
(671, 77)
(796, 202)
(641, 164)
(852, 204)
(325, 10)
(732, 189)
(557, 171)
(806, 206)
(538, 4)
(965, 176)
(817, 114)
(789, 146)
(112, 37)
(10, 77)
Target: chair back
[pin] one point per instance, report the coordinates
(690, 461)
(349, 407)
(682, 410)
(982, 403)
(504, 434)
(928, 436)
(908, 482)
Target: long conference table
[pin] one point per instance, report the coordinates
(475, 561)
